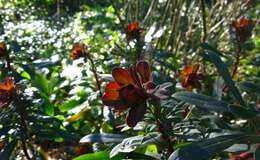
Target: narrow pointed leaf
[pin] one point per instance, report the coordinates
(205, 149)
(202, 101)
(250, 87)
(7, 151)
(223, 71)
(102, 138)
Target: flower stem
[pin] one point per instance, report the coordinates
(21, 111)
(161, 128)
(236, 64)
(98, 83)
(23, 138)
(94, 71)
(139, 47)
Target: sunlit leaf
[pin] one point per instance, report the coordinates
(69, 105)
(102, 138)
(103, 155)
(205, 149)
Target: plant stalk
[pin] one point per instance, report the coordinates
(20, 111)
(161, 128)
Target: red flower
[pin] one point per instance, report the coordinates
(3, 49)
(243, 156)
(130, 90)
(6, 91)
(242, 29)
(133, 31)
(191, 79)
(78, 51)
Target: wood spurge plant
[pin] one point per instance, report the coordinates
(136, 79)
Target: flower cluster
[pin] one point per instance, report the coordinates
(191, 77)
(242, 29)
(130, 90)
(133, 31)
(6, 91)
(78, 51)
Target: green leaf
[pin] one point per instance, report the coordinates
(206, 46)
(41, 83)
(205, 149)
(106, 127)
(25, 75)
(257, 153)
(127, 145)
(102, 138)
(223, 71)
(28, 69)
(7, 151)
(49, 108)
(152, 148)
(202, 101)
(242, 112)
(250, 87)
(5, 130)
(103, 155)
(69, 105)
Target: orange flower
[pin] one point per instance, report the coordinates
(6, 91)
(191, 79)
(78, 51)
(130, 90)
(242, 29)
(3, 49)
(133, 31)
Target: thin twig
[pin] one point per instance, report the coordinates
(203, 14)
(152, 5)
(94, 71)
(117, 12)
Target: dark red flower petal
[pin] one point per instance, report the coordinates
(111, 98)
(78, 51)
(242, 29)
(7, 84)
(132, 70)
(3, 49)
(242, 23)
(150, 85)
(122, 77)
(144, 70)
(112, 86)
(133, 27)
(191, 81)
(130, 95)
(136, 114)
(133, 31)
(111, 95)
(187, 70)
